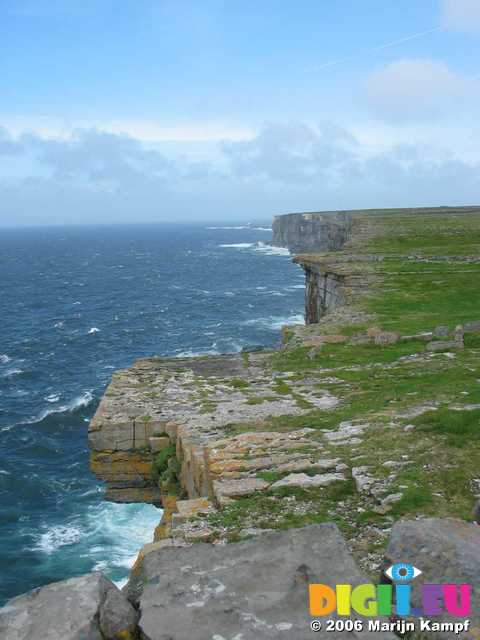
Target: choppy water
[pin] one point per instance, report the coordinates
(75, 304)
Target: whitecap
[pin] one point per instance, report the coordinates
(276, 322)
(58, 536)
(59, 325)
(268, 250)
(83, 400)
(53, 397)
(4, 359)
(79, 402)
(93, 330)
(12, 372)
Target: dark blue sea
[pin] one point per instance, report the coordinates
(75, 304)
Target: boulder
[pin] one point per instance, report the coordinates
(86, 608)
(446, 551)
(255, 589)
(384, 338)
(444, 345)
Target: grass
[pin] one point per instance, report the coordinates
(459, 427)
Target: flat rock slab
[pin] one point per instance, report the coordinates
(304, 481)
(86, 608)
(446, 551)
(251, 590)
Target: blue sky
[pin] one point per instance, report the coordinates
(153, 110)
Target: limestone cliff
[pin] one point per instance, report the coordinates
(302, 232)
(361, 418)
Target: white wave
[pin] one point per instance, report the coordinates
(58, 536)
(238, 245)
(268, 250)
(125, 527)
(79, 402)
(297, 286)
(12, 372)
(276, 322)
(59, 325)
(4, 359)
(93, 330)
(53, 397)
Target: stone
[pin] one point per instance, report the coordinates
(385, 338)
(303, 464)
(441, 332)
(472, 327)
(86, 608)
(446, 551)
(187, 509)
(159, 443)
(345, 432)
(255, 589)
(225, 490)
(440, 345)
(306, 482)
(426, 336)
(459, 333)
(363, 481)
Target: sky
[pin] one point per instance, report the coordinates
(235, 110)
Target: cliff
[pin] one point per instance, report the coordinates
(204, 435)
(326, 231)
(363, 417)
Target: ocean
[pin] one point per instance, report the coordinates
(76, 303)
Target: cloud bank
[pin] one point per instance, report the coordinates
(99, 176)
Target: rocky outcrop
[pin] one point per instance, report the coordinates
(193, 402)
(255, 590)
(305, 232)
(86, 608)
(331, 282)
(446, 551)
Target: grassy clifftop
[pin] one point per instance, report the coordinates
(367, 416)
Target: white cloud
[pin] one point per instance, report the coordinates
(97, 176)
(461, 15)
(411, 88)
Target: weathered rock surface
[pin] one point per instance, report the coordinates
(254, 590)
(446, 551)
(86, 608)
(326, 231)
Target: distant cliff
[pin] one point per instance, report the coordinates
(305, 232)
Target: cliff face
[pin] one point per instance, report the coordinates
(304, 232)
(362, 418)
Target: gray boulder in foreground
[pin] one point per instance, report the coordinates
(446, 551)
(251, 590)
(86, 608)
